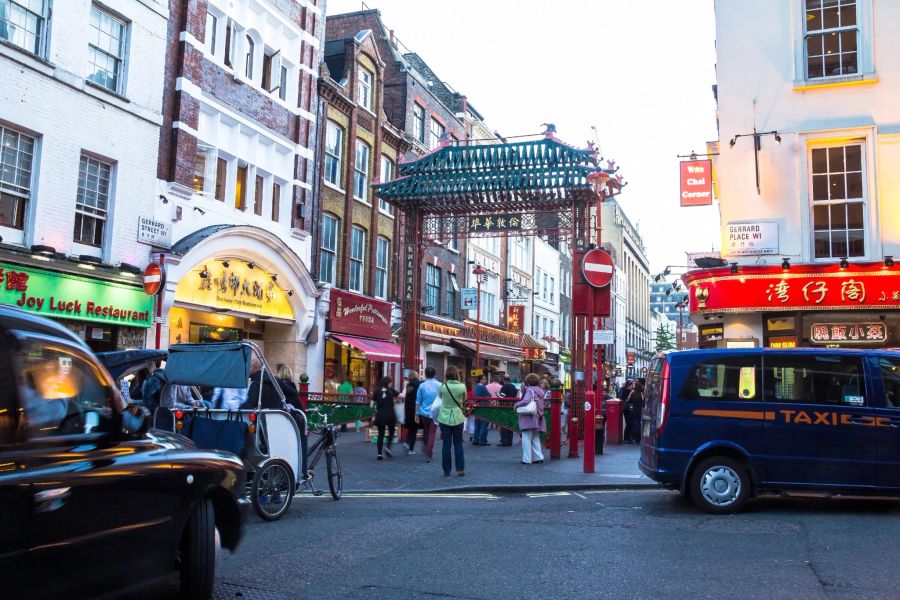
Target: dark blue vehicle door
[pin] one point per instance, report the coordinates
(819, 428)
(888, 392)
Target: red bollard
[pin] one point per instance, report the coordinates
(303, 390)
(589, 408)
(555, 421)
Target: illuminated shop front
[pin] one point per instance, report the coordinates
(108, 314)
(835, 305)
(229, 283)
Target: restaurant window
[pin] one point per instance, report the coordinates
(419, 122)
(452, 295)
(334, 154)
(838, 201)
(832, 38)
(432, 289)
(92, 201)
(814, 379)
(382, 256)
(328, 251)
(16, 163)
(361, 172)
(357, 258)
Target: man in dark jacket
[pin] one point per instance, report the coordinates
(270, 397)
(481, 426)
(510, 391)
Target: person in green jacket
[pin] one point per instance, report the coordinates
(451, 419)
(345, 389)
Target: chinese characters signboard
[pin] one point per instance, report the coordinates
(751, 239)
(848, 333)
(359, 315)
(485, 223)
(235, 287)
(696, 182)
(69, 296)
(515, 318)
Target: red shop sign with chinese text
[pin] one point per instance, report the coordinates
(696, 182)
(359, 315)
(515, 318)
(868, 287)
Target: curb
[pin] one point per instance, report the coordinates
(517, 488)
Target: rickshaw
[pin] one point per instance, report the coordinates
(270, 441)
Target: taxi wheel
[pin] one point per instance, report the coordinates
(198, 553)
(720, 485)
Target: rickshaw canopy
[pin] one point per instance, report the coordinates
(225, 364)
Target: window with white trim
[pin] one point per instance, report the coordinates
(437, 130)
(357, 258)
(832, 38)
(419, 122)
(382, 256)
(23, 23)
(250, 48)
(361, 172)
(489, 312)
(838, 199)
(16, 162)
(282, 83)
(334, 153)
(106, 49)
(212, 30)
(92, 201)
(328, 250)
(387, 174)
(364, 88)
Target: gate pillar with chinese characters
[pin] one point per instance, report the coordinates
(541, 187)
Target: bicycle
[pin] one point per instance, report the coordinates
(326, 445)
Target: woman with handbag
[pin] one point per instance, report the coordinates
(385, 417)
(409, 411)
(451, 419)
(531, 419)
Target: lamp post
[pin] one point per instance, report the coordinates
(680, 307)
(478, 271)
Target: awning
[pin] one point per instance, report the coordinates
(376, 350)
(532, 343)
(492, 350)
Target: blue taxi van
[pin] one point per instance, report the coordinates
(724, 425)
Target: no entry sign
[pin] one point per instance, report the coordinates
(154, 278)
(597, 268)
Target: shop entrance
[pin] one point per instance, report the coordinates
(540, 187)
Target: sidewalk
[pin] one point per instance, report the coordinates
(488, 469)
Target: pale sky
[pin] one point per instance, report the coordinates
(641, 71)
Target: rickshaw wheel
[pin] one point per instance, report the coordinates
(273, 489)
(335, 479)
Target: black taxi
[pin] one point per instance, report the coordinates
(91, 502)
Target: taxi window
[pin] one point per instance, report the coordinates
(63, 394)
(890, 374)
(727, 378)
(814, 379)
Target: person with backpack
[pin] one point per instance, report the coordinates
(385, 417)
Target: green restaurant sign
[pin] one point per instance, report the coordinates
(72, 297)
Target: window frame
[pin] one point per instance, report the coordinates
(333, 163)
(365, 85)
(21, 195)
(452, 294)
(361, 174)
(432, 296)
(435, 133)
(40, 36)
(865, 72)
(382, 259)
(98, 215)
(120, 60)
(823, 33)
(769, 359)
(868, 244)
(385, 174)
(755, 359)
(357, 282)
(419, 122)
(249, 56)
(332, 252)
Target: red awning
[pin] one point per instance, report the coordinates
(376, 350)
(492, 350)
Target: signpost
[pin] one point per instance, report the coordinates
(154, 278)
(155, 233)
(468, 298)
(597, 267)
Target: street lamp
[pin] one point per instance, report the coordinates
(756, 135)
(478, 271)
(680, 307)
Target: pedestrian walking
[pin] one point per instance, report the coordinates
(532, 424)
(451, 419)
(409, 406)
(385, 417)
(425, 396)
(481, 426)
(508, 391)
(634, 407)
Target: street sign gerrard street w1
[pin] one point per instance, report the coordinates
(597, 267)
(468, 298)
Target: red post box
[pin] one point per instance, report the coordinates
(614, 423)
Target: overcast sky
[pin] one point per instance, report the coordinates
(641, 71)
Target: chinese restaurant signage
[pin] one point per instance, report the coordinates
(515, 318)
(751, 239)
(870, 287)
(484, 223)
(409, 291)
(848, 333)
(534, 353)
(696, 182)
(235, 287)
(72, 297)
(359, 315)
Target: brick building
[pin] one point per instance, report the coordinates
(356, 250)
(236, 174)
(80, 111)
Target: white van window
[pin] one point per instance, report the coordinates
(890, 373)
(731, 378)
(814, 379)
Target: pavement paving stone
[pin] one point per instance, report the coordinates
(488, 468)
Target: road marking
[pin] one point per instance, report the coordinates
(629, 491)
(461, 495)
(580, 496)
(546, 494)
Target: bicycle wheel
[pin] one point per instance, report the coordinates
(335, 479)
(273, 489)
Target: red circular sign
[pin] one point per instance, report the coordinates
(597, 268)
(154, 278)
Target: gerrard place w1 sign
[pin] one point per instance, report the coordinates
(696, 183)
